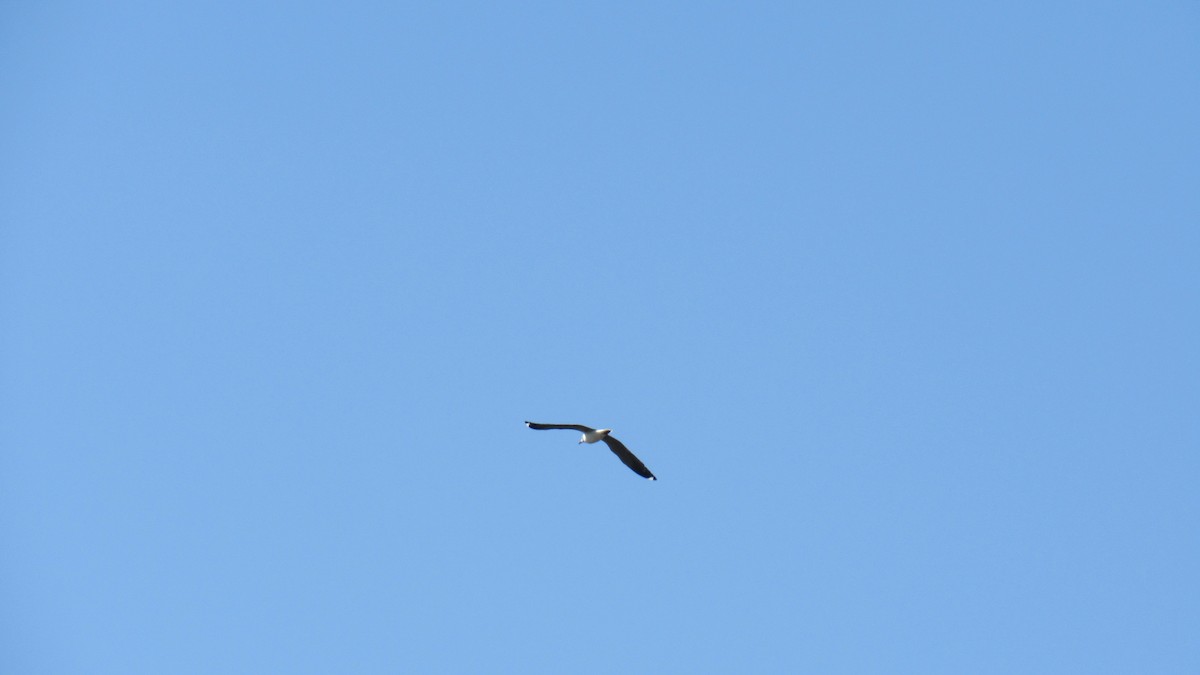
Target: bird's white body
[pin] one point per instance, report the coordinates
(594, 436)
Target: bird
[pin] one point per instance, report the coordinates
(591, 435)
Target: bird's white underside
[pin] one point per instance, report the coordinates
(593, 436)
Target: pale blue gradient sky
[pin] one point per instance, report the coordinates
(899, 303)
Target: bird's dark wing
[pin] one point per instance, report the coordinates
(626, 456)
(576, 427)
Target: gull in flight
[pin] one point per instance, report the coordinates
(591, 435)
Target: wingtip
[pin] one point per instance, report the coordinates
(653, 477)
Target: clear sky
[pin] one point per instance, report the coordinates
(900, 303)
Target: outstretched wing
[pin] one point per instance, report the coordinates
(627, 457)
(576, 427)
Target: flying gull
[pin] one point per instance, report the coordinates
(591, 435)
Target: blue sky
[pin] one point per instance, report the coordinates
(899, 303)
